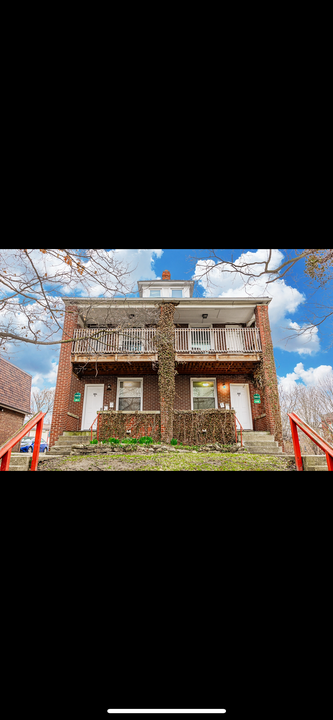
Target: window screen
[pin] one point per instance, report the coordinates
(203, 395)
(177, 293)
(130, 395)
(155, 293)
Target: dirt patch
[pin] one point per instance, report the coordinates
(184, 462)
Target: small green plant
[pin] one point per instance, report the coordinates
(146, 440)
(174, 442)
(129, 441)
(93, 442)
(114, 441)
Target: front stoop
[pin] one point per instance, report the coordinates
(260, 443)
(63, 445)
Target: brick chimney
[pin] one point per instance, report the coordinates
(166, 275)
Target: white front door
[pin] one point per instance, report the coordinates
(240, 401)
(93, 401)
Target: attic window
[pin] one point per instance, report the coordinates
(155, 293)
(177, 293)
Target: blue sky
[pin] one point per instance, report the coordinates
(300, 360)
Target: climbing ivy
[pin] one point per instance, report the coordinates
(166, 368)
(115, 424)
(219, 425)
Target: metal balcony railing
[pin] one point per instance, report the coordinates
(142, 341)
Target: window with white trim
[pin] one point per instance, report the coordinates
(129, 394)
(204, 394)
(177, 293)
(155, 293)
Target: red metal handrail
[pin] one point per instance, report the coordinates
(241, 431)
(91, 428)
(296, 422)
(6, 450)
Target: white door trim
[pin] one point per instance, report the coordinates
(85, 401)
(248, 398)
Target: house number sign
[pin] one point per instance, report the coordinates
(257, 399)
(77, 397)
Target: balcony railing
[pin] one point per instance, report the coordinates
(218, 340)
(108, 342)
(140, 341)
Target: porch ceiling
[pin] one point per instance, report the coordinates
(216, 368)
(216, 314)
(114, 368)
(185, 368)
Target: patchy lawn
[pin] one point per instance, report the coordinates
(185, 462)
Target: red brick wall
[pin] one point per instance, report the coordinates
(10, 423)
(66, 381)
(272, 403)
(15, 387)
(151, 395)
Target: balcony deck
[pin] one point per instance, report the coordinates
(191, 344)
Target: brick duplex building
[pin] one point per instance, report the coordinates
(111, 360)
(15, 393)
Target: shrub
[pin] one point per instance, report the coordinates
(129, 441)
(146, 440)
(93, 442)
(174, 442)
(114, 441)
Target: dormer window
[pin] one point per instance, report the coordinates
(155, 293)
(177, 293)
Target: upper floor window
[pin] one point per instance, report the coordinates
(177, 293)
(155, 293)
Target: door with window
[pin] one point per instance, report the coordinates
(129, 394)
(240, 401)
(203, 394)
(93, 402)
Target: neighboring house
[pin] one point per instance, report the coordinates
(223, 357)
(15, 393)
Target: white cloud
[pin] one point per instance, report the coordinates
(286, 300)
(309, 377)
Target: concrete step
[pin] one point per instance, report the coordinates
(262, 449)
(61, 450)
(259, 440)
(261, 445)
(257, 436)
(79, 433)
(314, 463)
(72, 440)
(20, 461)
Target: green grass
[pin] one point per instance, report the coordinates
(201, 462)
